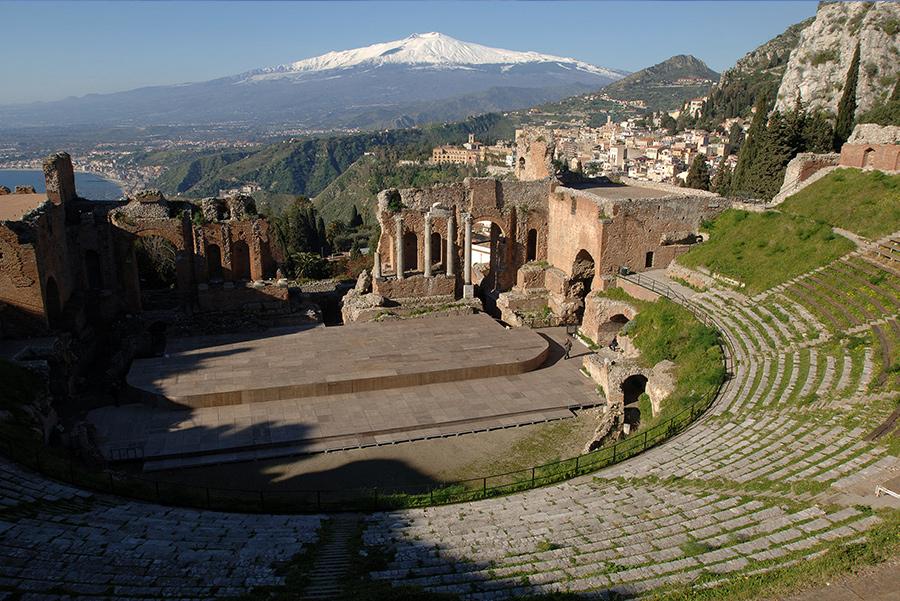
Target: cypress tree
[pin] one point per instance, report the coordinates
(843, 126)
(698, 174)
(743, 175)
(818, 134)
(721, 182)
(777, 148)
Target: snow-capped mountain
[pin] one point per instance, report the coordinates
(424, 77)
(431, 49)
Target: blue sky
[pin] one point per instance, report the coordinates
(52, 50)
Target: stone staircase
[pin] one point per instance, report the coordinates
(333, 559)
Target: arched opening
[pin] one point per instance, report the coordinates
(648, 259)
(582, 280)
(869, 157)
(436, 251)
(155, 257)
(632, 389)
(410, 251)
(214, 263)
(53, 304)
(92, 270)
(488, 244)
(240, 261)
(531, 245)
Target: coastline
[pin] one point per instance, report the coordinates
(122, 185)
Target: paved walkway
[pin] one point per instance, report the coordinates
(173, 439)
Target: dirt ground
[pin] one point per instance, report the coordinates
(421, 462)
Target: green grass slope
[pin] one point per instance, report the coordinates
(864, 202)
(765, 249)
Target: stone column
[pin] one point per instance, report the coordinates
(399, 268)
(467, 251)
(451, 245)
(376, 266)
(428, 245)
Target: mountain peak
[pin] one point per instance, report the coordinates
(432, 49)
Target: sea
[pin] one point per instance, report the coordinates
(88, 185)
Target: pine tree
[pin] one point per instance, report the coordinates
(743, 175)
(735, 138)
(721, 182)
(698, 174)
(777, 148)
(843, 126)
(818, 133)
(320, 234)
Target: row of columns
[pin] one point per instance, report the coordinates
(400, 268)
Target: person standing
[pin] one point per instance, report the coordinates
(567, 346)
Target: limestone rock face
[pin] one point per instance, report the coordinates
(818, 66)
(871, 133)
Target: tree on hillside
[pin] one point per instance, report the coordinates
(698, 174)
(356, 219)
(735, 138)
(668, 123)
(843, 126)
(817, 133)
(743, 175)
(721, 182)
(778, 145)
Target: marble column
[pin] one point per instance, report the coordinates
(428, 245)
(451, 245)
(376, 265)
(399, 267)
(467, 251)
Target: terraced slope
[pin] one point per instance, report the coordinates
(780, 470)
(777, 472)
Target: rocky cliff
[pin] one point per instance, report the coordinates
(818, 66)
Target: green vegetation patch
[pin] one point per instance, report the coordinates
(765, 249)
(664, 330)
(864, 202)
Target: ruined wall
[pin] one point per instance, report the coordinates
(884, 157)
(534, 154)
(20, 283)
(576, 222)
(515, 207)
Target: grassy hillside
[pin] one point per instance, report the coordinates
(360, 184)
(765, 249)
(865, 202)
(307, 166)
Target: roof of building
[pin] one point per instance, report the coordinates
(15, 206)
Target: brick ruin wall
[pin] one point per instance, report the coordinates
(884, 157)
(76, 257)
(514, 206)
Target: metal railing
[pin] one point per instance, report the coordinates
(55, 464)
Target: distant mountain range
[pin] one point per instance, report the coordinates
(424, 77)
